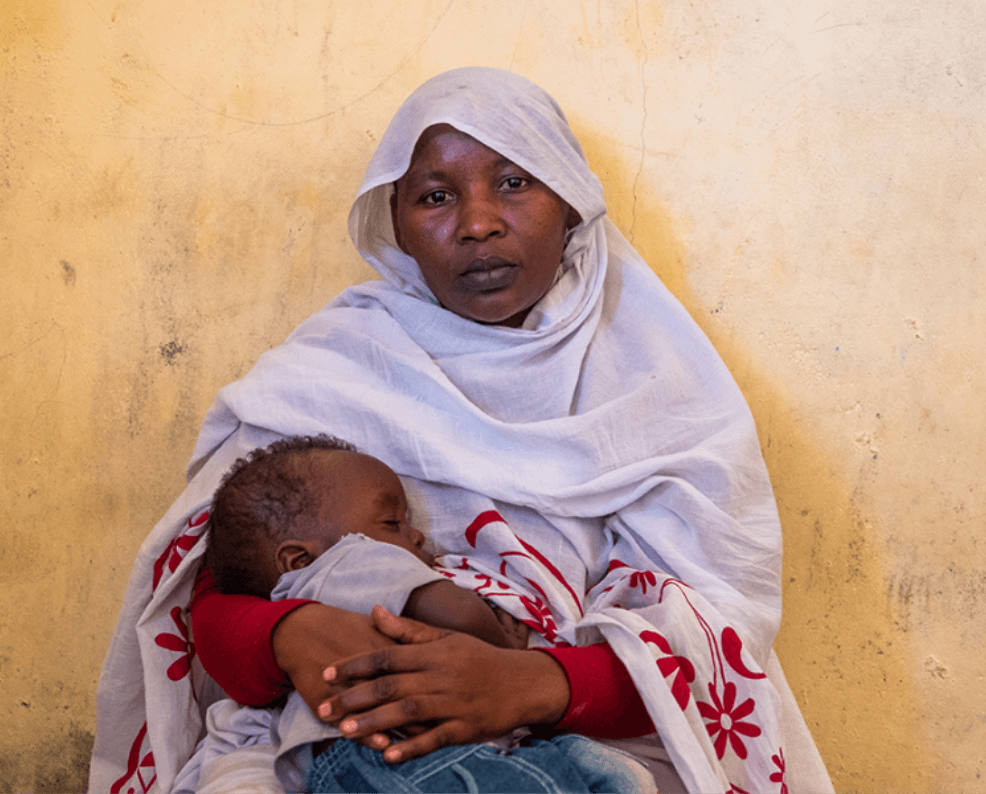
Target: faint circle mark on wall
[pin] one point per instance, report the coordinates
(252, 74)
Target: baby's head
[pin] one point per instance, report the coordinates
(281, 507)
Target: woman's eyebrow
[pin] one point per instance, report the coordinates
(439, 175)
(414, 178)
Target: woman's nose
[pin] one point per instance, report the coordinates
(417, 538)
(480, 218)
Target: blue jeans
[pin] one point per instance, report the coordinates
(564, 764)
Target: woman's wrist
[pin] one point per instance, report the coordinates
(543, 691)
(603, 698)
(284, 635)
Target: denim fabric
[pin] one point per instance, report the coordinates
(569, 764)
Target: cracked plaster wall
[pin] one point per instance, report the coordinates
(806, 176)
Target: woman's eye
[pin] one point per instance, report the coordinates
(516, 182)
(436, 197)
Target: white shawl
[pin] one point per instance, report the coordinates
(605, 432)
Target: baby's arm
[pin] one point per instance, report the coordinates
(447, 606)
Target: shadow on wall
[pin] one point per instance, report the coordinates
(61, 771)
(844, 657)
(843, 653)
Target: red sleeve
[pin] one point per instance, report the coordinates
(604, 700)
(233, 640)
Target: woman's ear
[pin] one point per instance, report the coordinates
(393, 218)
(573, 219)
(291, 555)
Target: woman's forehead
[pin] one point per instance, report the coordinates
(441, 145)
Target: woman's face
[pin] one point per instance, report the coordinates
(487, 236)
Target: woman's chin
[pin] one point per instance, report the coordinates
(509, 314)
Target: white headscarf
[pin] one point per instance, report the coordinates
(605, 432)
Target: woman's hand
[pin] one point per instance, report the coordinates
(462, 688)
(315, 636)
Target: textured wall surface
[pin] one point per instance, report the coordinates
(806, 175)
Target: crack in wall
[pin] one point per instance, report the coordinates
(643, 123)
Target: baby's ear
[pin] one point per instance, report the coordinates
(294, 554)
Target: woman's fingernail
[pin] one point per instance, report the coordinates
(329, 674)
(392, 754)
(325, 711)
(348, 726)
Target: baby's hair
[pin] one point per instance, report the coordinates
(257, 503)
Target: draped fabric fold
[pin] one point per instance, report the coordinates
(605, 434)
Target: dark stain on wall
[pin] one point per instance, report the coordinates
(68, 769)
(914, 595)
(68, 273)
(7, 772)
(171, 350)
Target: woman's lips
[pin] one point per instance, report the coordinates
(487, 275)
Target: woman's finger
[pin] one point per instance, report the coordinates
(348, 672)
(397, 714)
(442, 735)
(404, 630)
(384, 661)
(370, 694)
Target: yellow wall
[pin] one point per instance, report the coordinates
(806, 175)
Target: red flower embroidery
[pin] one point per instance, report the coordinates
(179, 547)
(669, 664)
(778, 777)
(138, 765)
(641, 579)
(180, 643)
(726, 721)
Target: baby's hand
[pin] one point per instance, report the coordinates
(516, 631)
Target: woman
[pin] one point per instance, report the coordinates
(576, 404)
